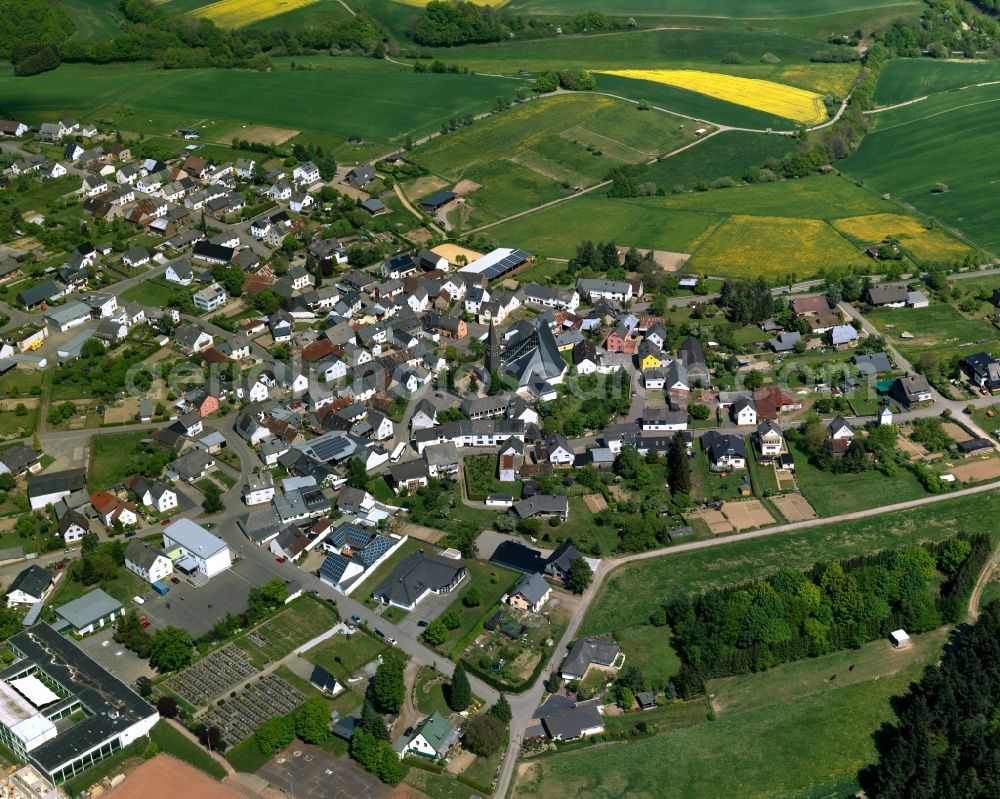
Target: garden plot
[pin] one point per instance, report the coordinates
(745, 515)
(717, 523)
(793, 507)
(241, 715)
(212, 676)
(985, 469)
(595, 502)
(955, 432)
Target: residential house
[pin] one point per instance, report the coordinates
(530, 593)
(770, 439)
(72, 526)
(192, 339)
(91, 612)
(725, 452)
(843, 336)
(561, 560)
(211, 297)
(18, 460)
(431, 739)
(416, 577)
(587, 653)
(911, 389)
(613, 290)
(560, 453)
(743, 412)
(983, 370)
(30, 586)
(887, 295)
(306, 174)
(148, 562)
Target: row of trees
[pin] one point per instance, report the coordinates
(790, 615)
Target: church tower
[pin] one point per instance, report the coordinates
(493, 350)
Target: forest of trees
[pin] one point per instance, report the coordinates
(790, 615)
(945, 743)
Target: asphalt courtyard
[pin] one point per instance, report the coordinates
(307, 772)
(196, 609)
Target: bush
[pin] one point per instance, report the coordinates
(732, 58)
(484, 735)
(769, 58)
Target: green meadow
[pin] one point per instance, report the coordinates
(905, 79)
(949, 138)
(377, 100)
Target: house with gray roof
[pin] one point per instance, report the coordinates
(568, 724)
(30, 586)
(91, 612)
(588, 652)
(530, 593)
(418, 576)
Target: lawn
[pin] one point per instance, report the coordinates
(397, 101)
(911, 149)
(727, 154)
(122, 587)
(832, 494)
(481, 479)
(246, 756)
(300, 622)
(161, 293)
(787, 732)
(904, 79)
(493, 582)
(13, 425)
(171, 741)
(428, 692)
(633, 591)
(438, 785)
(938, 328)
(95, 20)
(649, 648)
(343, 655)
(735, 9)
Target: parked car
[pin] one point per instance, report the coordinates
(145, 624)
(69, 549)
(356, 619)
(130, 534)
(422, 623)
(280, 559)
(379, 633)
(175, 581)
(59, 566)
(391, 641)
(138, 600)
(164, 522)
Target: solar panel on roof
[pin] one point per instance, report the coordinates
(333, 567)
(375, 550)
(357, 537)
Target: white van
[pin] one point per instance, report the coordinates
(397, 453)
(138, 600)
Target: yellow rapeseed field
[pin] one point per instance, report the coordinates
(922, 243)
(240, 13)
(762, 95)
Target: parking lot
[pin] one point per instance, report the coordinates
(429, 609)
(125, 665)
(197, 609)
(307, 772)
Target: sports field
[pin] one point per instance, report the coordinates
(949, 138)
(322, 101)
(789, 102)
(904, 79)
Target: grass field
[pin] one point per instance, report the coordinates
(493, 582)
(831, 494)
(912, 148)
(527, 155)
(109, 459)
(788, 732)
(633, 591)
(770, 97)
(766, 229)
(938, 328)
(734, 9)
(169, 740)
(397, 101)
(649, 648)
(904, 79)
(342, 655)
(95, 20)
(300, 622)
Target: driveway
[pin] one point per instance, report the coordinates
(114, 657)
(428, 610)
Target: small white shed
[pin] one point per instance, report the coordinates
(899, 639)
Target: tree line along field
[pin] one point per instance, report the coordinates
(376, 100)
(631, 592)
(950, 139)
(764, 229)
(905, 79)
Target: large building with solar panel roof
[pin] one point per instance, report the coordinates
(53, 680)
(354, 550)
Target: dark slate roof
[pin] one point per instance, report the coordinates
(33, 581)
(571, 722)
(51, 482)
(564, 556)
(517, 556)
(414, 575)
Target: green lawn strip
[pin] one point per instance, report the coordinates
(762, 477)
(222, 477)
(831, 494)
(668, 717)
(123, 587)
(481, 479)
(246, 756)
(634, 590)
(483, 770)
(175, 743)
(379, 488)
